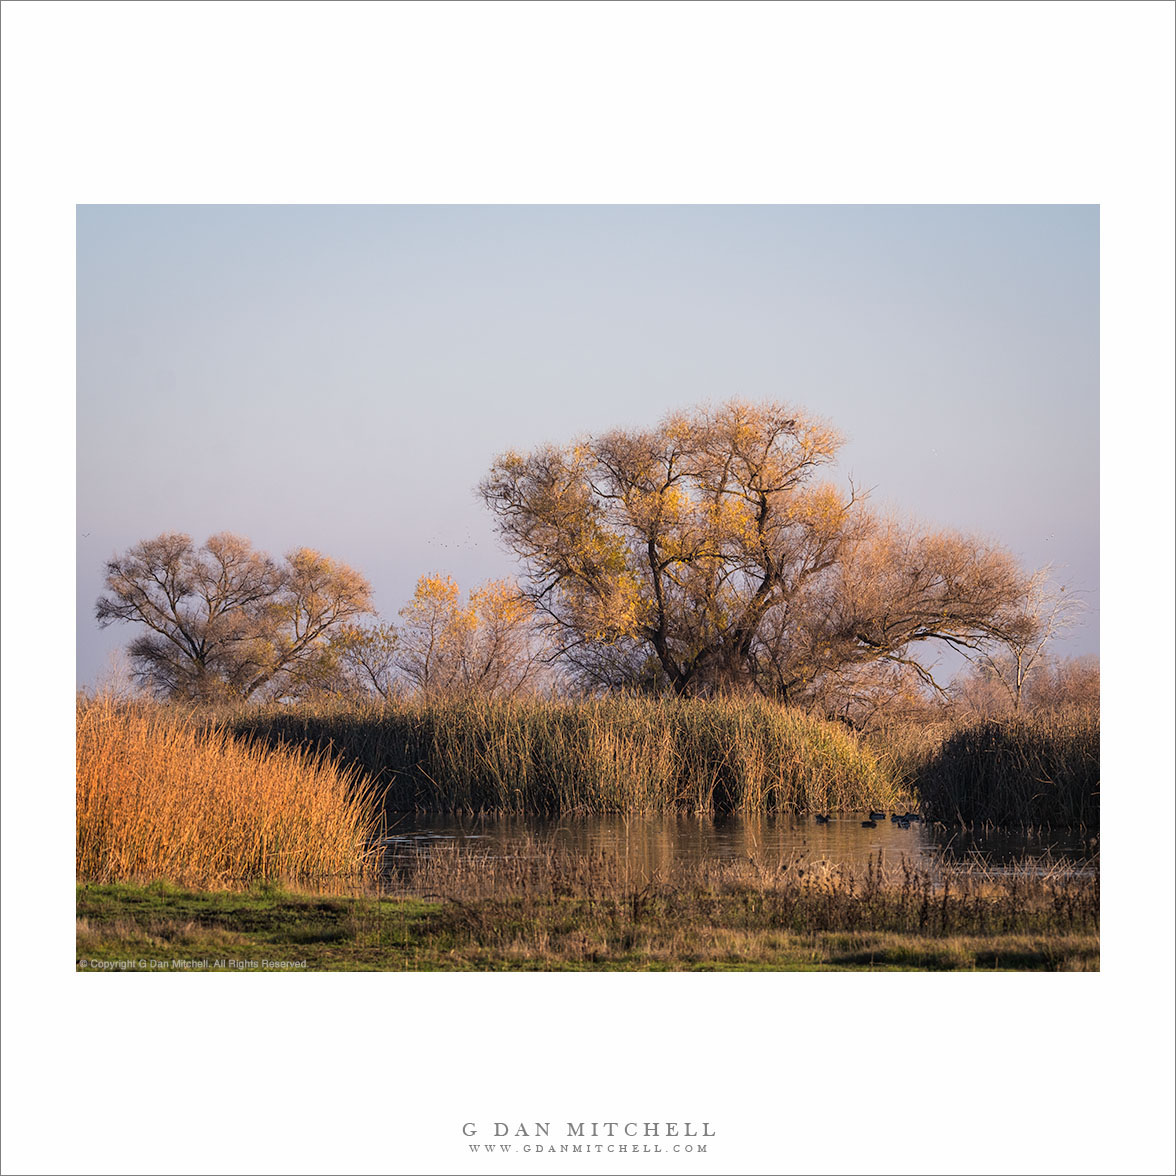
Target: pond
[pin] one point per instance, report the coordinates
(650, 844)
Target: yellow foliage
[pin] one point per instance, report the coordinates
(708, 538)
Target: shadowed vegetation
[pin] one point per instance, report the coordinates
(1040, 770)
(613, 755)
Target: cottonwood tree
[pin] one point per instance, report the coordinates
(364, 662)
(227, 621)
(433, 635)
(704, 553)
(504, 654)
(486, 645)
(896, 588)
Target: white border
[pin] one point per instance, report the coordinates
(587, 102)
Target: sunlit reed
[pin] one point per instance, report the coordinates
(615, 755)
(161, 797)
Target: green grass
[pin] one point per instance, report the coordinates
(614, 755)
(147, 927)
(556, 911)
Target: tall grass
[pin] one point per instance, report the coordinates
(614, 755)
(1040, 770)
(907, 747)
(159, 797)
(552, 882)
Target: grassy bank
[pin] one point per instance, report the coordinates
(617, 755)
(541, 911)
(1038, 771)
(158, 796)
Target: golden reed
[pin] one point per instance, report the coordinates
(628, 755)
(158, 797)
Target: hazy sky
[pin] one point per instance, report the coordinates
(341, 377)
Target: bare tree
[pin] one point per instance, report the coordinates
(226, 621)
(705, 546)
(1022, 631)
(365, 661)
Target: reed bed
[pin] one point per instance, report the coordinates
(613, 755)
(546, 905)
(907, 747)
(159, 796)
(1040, 770)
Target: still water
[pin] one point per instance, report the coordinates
(656, 843)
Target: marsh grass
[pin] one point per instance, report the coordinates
(547, 906)
(905, 748)
(788, 891)
(1040, 770)
(615, 755)
(159, 796)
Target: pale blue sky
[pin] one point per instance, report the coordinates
(341, 377)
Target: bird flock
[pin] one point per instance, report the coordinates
(902, 820)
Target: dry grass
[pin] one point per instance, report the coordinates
(158, 797)
(613, 755)
(907, 747)
(543, 879)
(160, 933)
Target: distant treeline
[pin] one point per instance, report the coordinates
(702, 557)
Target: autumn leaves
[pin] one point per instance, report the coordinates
(700, 556)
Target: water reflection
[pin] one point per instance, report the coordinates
(656, 844)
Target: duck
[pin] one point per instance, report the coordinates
(903, 823)
(822, 820)
(870, 824)
(877, 816)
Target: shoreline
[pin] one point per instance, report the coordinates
(523, 915)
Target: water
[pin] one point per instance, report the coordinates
(656, 843)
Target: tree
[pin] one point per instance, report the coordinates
(226, 621)
(1054, 684)
(484, 646)
(1065, 682)
(503, 655)
(702, 555)
(433, 635)
(1024, 628)
(871, 695)
(896, 587)
(364, 658)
